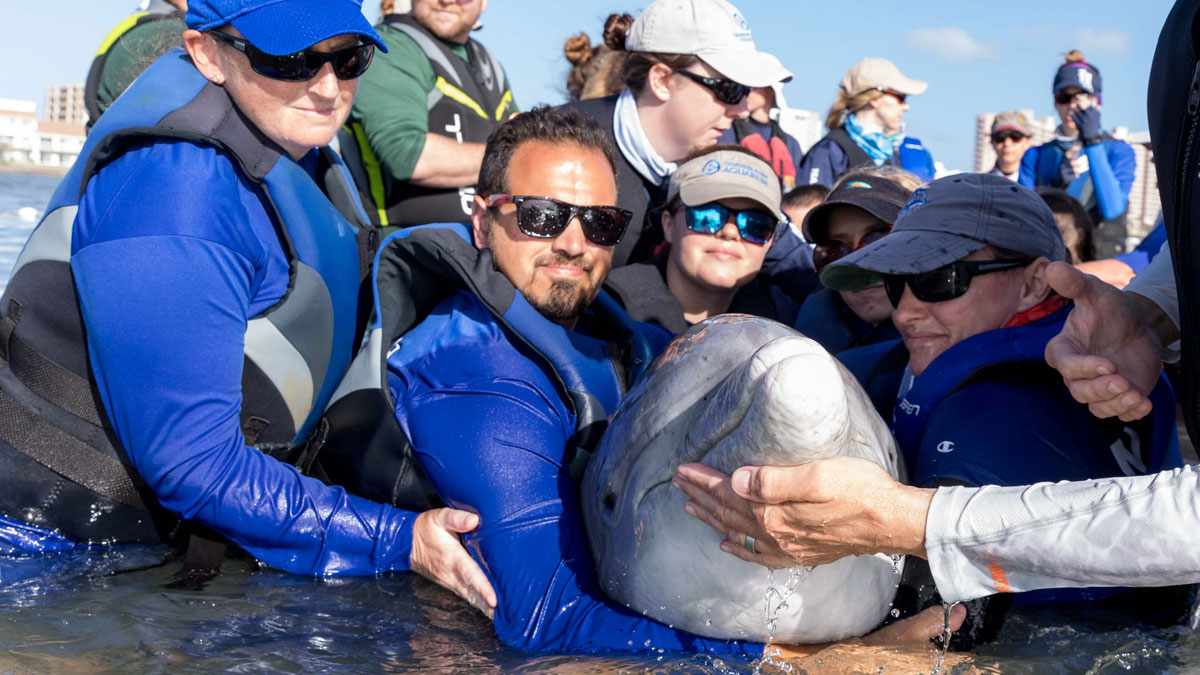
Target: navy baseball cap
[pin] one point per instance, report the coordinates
(948, 220)
(284, 26)
(1079, 74)
(877, 196)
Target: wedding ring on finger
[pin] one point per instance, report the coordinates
(749, 544)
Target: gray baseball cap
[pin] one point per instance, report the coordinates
(725, 174)
(948, 220)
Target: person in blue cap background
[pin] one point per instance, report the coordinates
(1089, 164)
(182, 314)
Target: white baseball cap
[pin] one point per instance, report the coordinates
(713, 30)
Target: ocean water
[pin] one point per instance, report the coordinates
(114, 610)
(23, 197)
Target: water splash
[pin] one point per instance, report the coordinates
(777, 601)
(940, 654)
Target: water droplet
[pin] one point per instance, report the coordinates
(895, 614)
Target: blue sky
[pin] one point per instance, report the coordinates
(977, 56)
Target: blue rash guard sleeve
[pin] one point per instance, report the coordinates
(170, 265)
(491, 434)
(1112, 165)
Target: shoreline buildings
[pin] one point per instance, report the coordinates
(53, 142)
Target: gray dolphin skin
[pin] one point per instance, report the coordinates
(733, 390)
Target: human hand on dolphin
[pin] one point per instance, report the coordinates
(438, 555)
(1109, 352)
(813, 513)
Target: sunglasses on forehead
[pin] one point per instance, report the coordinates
(725, 91)
(303, 65)
(546, 218)
(947, 282)
(753, 225)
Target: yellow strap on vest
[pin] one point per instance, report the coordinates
(374, 172)
(459, 96)
(504, 102)
(121, 29)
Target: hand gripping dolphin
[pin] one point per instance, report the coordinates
(732, 391)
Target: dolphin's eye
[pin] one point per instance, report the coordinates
(610, 501)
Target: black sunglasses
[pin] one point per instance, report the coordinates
(303, 65)
(1001, 136)
(725, 91)
(753, 225)
(1065, 98)
(947, 282)
(823, 254)
(546, 218)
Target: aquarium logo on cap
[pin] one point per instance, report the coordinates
(711, 167)
(915, 203)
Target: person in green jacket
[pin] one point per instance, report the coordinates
(129, 48)
(415, 137)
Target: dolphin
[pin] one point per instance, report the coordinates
(733, 390)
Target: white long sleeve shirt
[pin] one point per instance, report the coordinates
(1128, 531)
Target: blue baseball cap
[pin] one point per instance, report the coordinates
(284, 26)
(948, 220)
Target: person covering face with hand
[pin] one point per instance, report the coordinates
(1081, 159)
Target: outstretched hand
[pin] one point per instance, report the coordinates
(812, 514)
(1109, 352)
(438, 555)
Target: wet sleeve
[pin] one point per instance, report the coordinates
(392, 104)
(164, 285)
(499, 452)
(1112, 166)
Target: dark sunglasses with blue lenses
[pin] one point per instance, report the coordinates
(947, 282)
(725, 91)
(546, 218)
(754, 225)
(303, 65)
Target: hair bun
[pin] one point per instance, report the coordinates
(616, 28)
(578, 49)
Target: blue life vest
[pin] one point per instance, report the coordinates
(362, 444)
(295, 351)
(1019, 344)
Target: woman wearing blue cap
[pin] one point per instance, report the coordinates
(178, 320)
(1089, 164)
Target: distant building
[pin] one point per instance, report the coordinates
(64, 103)
(805, 126)
(18, 131)
(1144, 204)
(25, 140)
